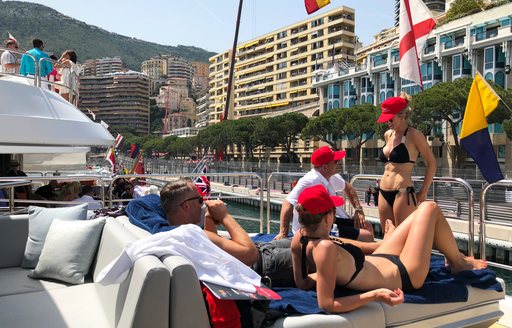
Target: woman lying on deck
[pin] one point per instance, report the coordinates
(401, 262)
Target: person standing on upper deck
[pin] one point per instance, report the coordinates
(325, 168)
(404, 143)
(27, 66)
(9, 61)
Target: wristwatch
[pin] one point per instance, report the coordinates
(359, 209)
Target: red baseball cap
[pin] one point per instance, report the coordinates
(325, 154)
(391, 107)
(317, 200)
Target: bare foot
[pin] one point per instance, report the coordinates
(468, 263)
(389, 227)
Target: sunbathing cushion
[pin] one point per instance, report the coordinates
(40, 219)
(69, 250)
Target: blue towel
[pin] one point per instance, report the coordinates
(266, 237)
(146, 213)
(440, 287)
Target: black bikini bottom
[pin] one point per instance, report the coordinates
(390, 195)
(404, 275)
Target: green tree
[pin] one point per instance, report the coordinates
(461, 8)
(215, 137)
(324, 128)
(156, 116)
(359, 123)
(288, 128)
(243, 133)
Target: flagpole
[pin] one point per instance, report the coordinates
(136, 163)
(232, 61)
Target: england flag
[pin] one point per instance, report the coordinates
(416, 23)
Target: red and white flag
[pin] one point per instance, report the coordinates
(111, 158)
(416, 23)
(119, 141)
(12, 38)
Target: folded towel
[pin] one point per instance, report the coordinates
(146, 213)
(211, 263)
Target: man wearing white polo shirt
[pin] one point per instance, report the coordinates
(325, 167)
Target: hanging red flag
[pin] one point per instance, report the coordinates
(416, 23)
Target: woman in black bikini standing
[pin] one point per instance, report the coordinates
(397, 197)
(401, 262)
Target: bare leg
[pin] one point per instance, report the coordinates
(385, 212)
(401, 209)
(366, 233)
(431, 228)
(413, 240)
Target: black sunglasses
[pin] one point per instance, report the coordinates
(199, 199)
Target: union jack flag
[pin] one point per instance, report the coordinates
(203, 184)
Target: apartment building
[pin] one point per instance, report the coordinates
(156, 69)
(202, 110)
(273, 72)
(201, 74)
(482, 42)
(120, 99)
(180, 68)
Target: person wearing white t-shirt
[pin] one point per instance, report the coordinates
(183, 204)
(325, 167)
(8, 59)
(87, 197)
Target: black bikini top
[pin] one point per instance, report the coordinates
(354, 251)
(399, 154)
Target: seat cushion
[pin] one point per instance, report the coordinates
(415, 313)
(68, 250)
(40, 219)
(371, 315)
(15, 280)
(77, 306)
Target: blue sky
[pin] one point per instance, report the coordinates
(210, 24)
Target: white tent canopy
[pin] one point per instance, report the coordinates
(34, 120)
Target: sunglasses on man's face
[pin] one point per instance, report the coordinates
(199, 200)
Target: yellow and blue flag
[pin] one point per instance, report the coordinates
(474, 135)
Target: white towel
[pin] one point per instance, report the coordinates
(211, 263)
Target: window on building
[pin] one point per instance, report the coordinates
(489, 58)
(499, 79)
(369, 99)
(501, 151)
(456, 65)
(500, 57)
(317, 22)
(382, 96)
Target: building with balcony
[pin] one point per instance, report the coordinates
(109, 65)
(273, 72)
(482, 42)
(156, 69)
(200, 78)
(180, 68)
(202, 110)
(119, 99)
